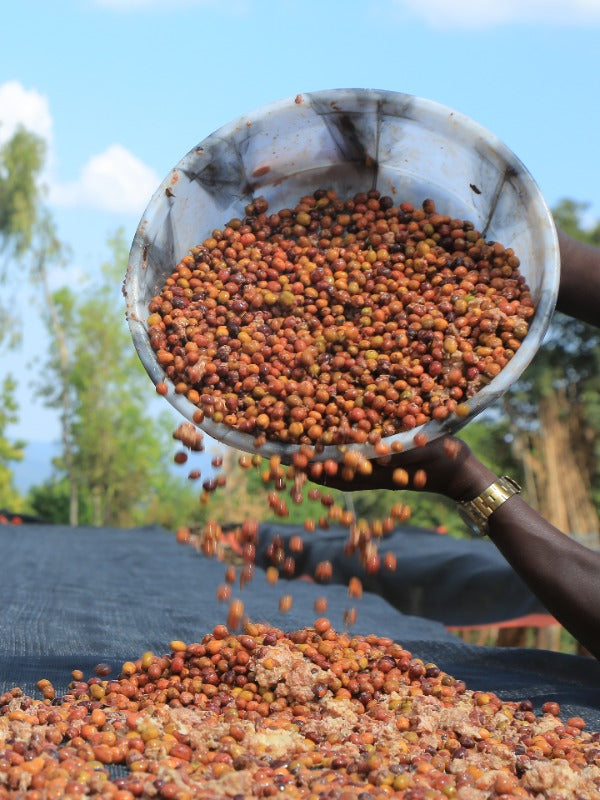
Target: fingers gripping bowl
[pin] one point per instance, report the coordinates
(350, 141)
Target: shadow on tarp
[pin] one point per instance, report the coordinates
(74, 597)
(459, 582)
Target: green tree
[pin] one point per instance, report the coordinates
(51, 500)
(171, 500)
(569, 216)
(113, 450)
(21, 161)
(57, 309)
(115, 445)
(10, 451)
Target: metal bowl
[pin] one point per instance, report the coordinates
(349, 140)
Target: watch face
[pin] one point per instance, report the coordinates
(474, 529)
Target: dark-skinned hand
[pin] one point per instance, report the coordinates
(445, 466)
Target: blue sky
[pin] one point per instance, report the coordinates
(122, 89)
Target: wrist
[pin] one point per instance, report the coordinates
(470, 478)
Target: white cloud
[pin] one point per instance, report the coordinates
(23, 107)
(114, 180)
(490, 13)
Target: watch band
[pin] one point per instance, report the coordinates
(477, 510)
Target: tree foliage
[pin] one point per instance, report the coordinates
(569, 215)
(116, 448)
(50, 500)
(10, 451)
(21, 161)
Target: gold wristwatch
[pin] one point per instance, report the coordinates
(475, 512)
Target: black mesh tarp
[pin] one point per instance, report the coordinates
(70, 598)
(459, 582)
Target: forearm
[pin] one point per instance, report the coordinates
(563, 574)
(579, 291)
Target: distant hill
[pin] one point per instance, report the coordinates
(36, 466)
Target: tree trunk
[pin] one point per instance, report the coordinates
(67, 447)
(96, 506)
(247, 505)
(522, 447)
(565, 497)
(67, 411)
(73, 504)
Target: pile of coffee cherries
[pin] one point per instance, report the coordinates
(309, 714)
